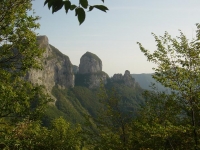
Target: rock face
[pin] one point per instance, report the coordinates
(57, 68)
(96, 79)
(90, 63)
(117, 77)
(75, 69)
(90, 72)
(126, 79)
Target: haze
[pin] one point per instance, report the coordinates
(112, 36)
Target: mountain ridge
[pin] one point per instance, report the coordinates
(145, 80)
(76, 89)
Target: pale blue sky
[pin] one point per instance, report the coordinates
(113, 35)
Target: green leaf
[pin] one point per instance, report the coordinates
(47, 1)
(57, 5)
(50, 3)
(103, 1)
(72, 7)
(101, 7)
(81, 15)
(2, 87)
(76, 11)
(91, 8)
(84, 3)
(67, 6)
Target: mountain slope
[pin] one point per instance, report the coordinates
(145, 81)
(76, 89)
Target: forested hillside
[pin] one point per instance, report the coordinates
(77, 102)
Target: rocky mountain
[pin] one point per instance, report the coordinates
(76, 89)
(57, 68)
(75, 69)
(126, 79)
(90, 63)
(90, 72)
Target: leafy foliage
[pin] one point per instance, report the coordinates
(31, 135)
(19, 99)
(178, 68)
(17, 37)
(18, 53)
(131, 98)
(99, 115)
(79, 9)
(69, 105)
(161, 124)
(113, 122)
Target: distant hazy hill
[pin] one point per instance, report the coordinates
(145, 81)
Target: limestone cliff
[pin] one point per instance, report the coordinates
(90, 72)
(75, 69)
(90, 63)
(57, 68)
(128, 79)
(125, 79)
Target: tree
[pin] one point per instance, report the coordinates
(31, 135)
(79, 9)
(63, 136)
(18, 48)
(178, 68)
(19, 99)
(112, 123)
(18, 53)
(160, 124)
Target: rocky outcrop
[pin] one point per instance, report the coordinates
(90, 72)
(57, 68)
(92, 80)
(90, 63)
(117, 77)
(125, 79)
(75, 69)
(96, 79)
(128, 79)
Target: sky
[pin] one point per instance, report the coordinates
(113, 36)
